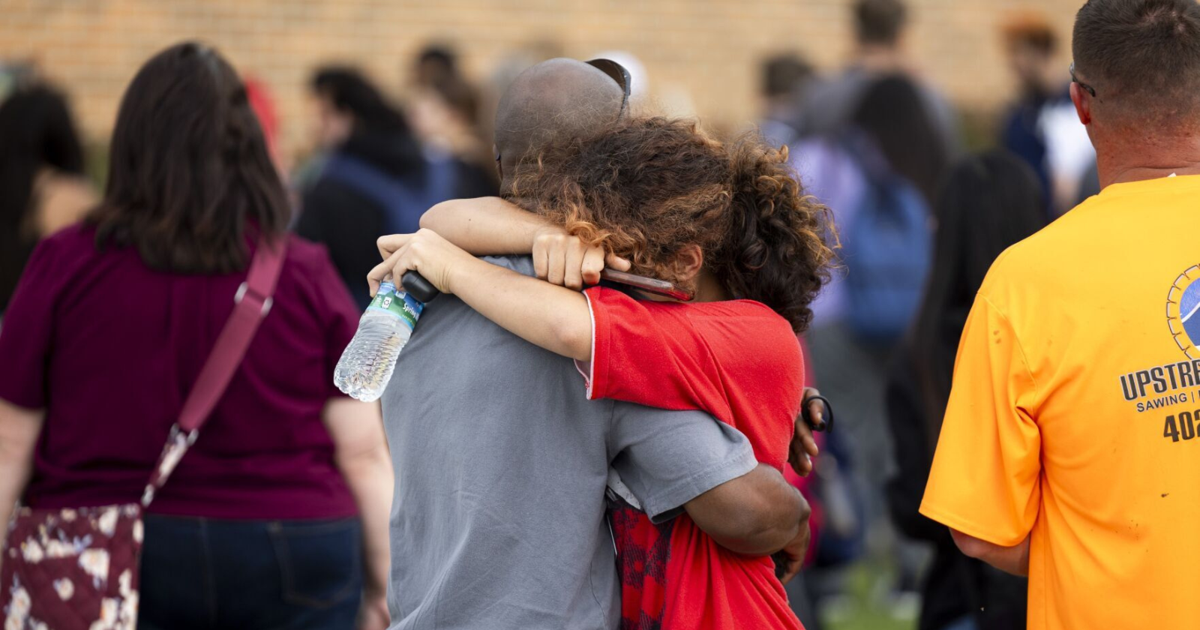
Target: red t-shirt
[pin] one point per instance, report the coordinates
(110, 348)
(740, 362)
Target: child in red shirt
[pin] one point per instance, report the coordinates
(721, 222)
(740, 362)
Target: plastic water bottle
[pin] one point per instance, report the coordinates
(366, 366)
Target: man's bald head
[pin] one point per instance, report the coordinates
(559, 98)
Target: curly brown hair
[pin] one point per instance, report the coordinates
(649, 187)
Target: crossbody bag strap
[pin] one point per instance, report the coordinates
(251, 303)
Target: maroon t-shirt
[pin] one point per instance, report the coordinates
(110, 348)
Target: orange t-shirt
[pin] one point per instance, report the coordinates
(1074, 412)
(739, 361)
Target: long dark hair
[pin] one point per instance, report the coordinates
(987, 203)
(36, 131)
(189, 177)
(381, 134)
(647, 188)
(780, 246)
(893, 114)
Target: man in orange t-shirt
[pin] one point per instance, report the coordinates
(1069, 450)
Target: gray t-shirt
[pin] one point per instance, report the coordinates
(498, 520)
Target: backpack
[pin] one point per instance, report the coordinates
(403, 204)
(887, 247)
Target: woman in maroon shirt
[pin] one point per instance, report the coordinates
(277, 517)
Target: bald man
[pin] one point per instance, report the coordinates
(502, 464)
(560, 98)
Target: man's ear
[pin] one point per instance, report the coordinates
(1083, 106)
(688, 263)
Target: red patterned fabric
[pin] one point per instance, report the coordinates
(642, 552)
(77, 569)
(72, 569)
(740, 362)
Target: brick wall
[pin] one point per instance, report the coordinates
(702, 51)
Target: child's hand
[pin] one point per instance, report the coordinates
(426, 252)
(565, 260)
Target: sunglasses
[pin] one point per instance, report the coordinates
(618, 73)
(1074, 79)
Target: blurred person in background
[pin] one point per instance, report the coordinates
(879, 177)
(884, 165)
(880, 29)
(41, 176)
(989, 202)
(785, 80)
(277, 516)
(893, 125)
(505, 70)
(434, 63)
(1041, 127)
(373, 180)
(263, 104)
(444, 113)
(13, 75)
(1068, 452)
(799, 592)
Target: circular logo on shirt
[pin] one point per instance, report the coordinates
(1183, 311)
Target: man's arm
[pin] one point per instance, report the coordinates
(986, 474)
(1014, 560)
(756, 514)
(674, 461)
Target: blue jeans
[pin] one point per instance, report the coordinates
(200, 573)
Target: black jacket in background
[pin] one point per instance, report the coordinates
(348, 221)
(956, 586)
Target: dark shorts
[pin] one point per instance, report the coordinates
(205, 574)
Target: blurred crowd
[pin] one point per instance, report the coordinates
(920, 212)
(920, 220)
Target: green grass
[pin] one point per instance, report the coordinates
(869, 619)
(862, 608)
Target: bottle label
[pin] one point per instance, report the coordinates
(398, 304)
